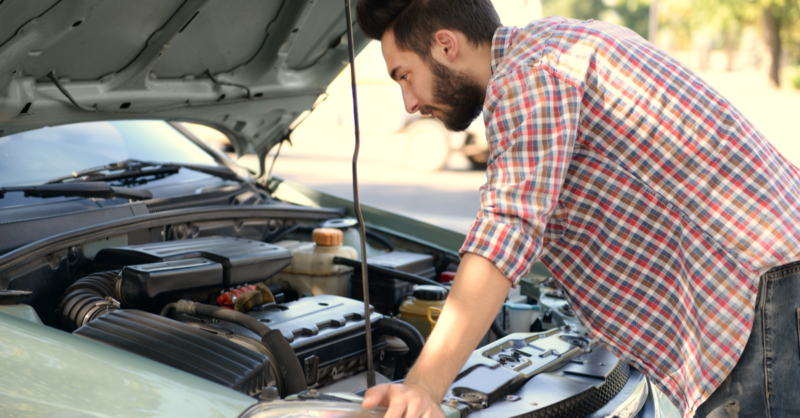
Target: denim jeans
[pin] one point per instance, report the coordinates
(765, 383)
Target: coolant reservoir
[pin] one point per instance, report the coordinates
(352, 236)
(414, 309)
(312, 269)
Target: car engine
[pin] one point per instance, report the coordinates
(280, 317)
(202, 306)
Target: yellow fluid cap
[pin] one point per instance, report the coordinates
(327, 236)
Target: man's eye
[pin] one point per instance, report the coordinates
(403, 77)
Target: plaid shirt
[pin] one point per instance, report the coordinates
(651, 199)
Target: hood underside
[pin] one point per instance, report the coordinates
(246, 67)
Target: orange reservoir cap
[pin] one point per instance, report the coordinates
(327, 237)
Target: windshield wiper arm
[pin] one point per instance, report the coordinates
(136, 168)
(101, 190)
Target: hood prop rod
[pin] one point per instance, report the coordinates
(356, 204)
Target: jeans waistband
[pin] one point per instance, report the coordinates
(782, 271)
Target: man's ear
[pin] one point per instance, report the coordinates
(445, 45)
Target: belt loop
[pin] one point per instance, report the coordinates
(762, 291)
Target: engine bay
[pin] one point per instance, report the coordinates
(135, 302)
(279, 315)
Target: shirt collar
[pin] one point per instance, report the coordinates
(503, 38)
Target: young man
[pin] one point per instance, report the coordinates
(657, 206)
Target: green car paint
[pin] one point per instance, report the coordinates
(52, 373)
(25, 312)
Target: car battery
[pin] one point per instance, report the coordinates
(385, 293)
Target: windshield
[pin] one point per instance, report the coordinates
(35, 157)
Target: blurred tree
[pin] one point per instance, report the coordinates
(633, 14)
(728, 18)
(576, 9)
(778, 18)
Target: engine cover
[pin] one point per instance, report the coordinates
(243, 261)
(184, 347)
(327, 332)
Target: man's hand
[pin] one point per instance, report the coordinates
(474, 300)
(404, 400)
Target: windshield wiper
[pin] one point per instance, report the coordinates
(136, 168)
(101, 190)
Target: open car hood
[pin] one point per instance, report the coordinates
(246, 67)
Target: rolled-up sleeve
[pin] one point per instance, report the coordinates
(532, 124)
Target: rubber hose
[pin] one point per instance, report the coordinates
(102, 284)
(410, 335)
(383, 271)
(279, 287)
(286, 361)
(294, 379)
(280, 235)
(79, 304)
(167, 308)
(210, 311)
(380, 238)
(285, 232)
(498, 331)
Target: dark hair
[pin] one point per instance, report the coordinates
(415, 21)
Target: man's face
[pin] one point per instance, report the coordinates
(432, 88)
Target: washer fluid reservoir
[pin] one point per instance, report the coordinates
(312, 269)
(414, 309)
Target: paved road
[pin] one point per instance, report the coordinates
(446, 198)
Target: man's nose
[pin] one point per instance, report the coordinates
(410, 101)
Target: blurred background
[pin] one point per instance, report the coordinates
(748, 50)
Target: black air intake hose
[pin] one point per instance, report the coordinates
(286, 362)
(88, 298)
(413, 339)
(498, 330)
(380, 238)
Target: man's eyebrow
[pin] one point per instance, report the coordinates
(393, 74)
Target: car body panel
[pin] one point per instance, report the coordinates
(248, 67)
(21, 311)
(48, 372)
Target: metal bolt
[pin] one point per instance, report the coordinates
(269, 394)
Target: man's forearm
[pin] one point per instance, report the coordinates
(475, 298)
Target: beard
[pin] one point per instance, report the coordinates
(456, 91)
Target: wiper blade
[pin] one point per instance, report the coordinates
(136, 168)
(224, 173)
(101, 190)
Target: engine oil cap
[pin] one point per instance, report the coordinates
(430, 292)
(327, 236)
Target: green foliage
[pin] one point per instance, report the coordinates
(576, 9)
(724, 20)
(629, 13)
(796, 79)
